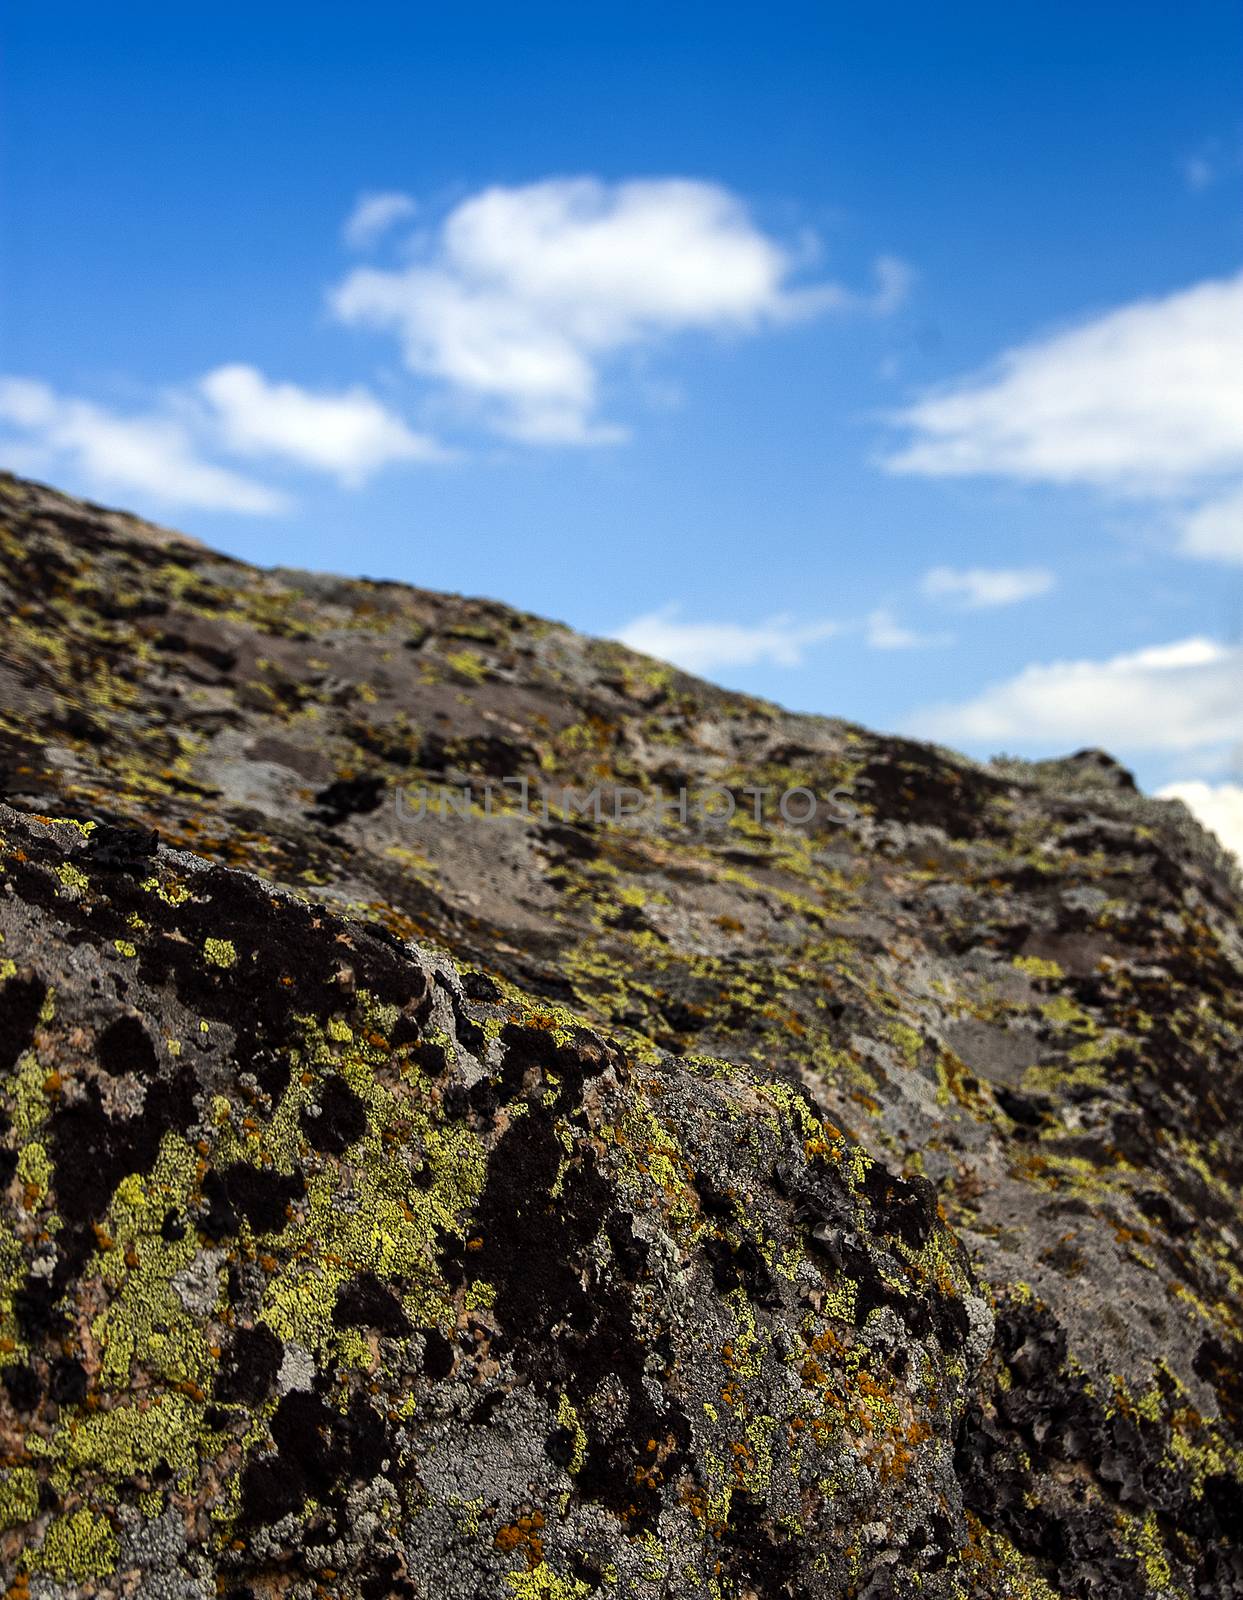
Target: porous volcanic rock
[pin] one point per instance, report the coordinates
(412, 1187)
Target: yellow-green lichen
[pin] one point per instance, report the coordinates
(542, 1583)
(19, 1496)
(219, 953)
(72, 881)
(146, 1318)
(34, 1167)
(568, 1417)
(80, 1546)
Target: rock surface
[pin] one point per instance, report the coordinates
(411, 1188)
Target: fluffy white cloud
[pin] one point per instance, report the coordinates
(703, 646)
(1219, 806)
(978, 588)
(374, 214)
(520, 296)
(166, 453)
(150, 454)
(349, 434)
(1177, 697)
(1144, 402)
(1147, 398)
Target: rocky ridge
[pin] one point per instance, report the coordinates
(411, 1190)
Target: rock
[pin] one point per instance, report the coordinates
(655, 1321)
(406, 1190)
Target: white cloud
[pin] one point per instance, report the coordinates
(374, 214)
(166, 453)
(1218, 806)
(1177, 697)
(1199, 173)
(1214, 530)
(978, 588)
(702, 646)
(522, 295)
(883, 631)
(150, 454)
(1146, 399)
(1145, 402)
(349, 434)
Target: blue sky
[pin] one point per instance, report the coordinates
(881, 360)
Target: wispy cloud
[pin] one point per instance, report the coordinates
(1211, 162)
(980, 588)
(895, 279)
(522, 296)
(1144, 402)
(1214, 530)
(169, 452)
(151, 454)
(779, 640)
(374, 214)
(1185, 696)
(1199, 173)
(883, 631)
(703, 646)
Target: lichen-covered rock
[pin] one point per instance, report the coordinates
(1017, 987)
(328, 1270)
